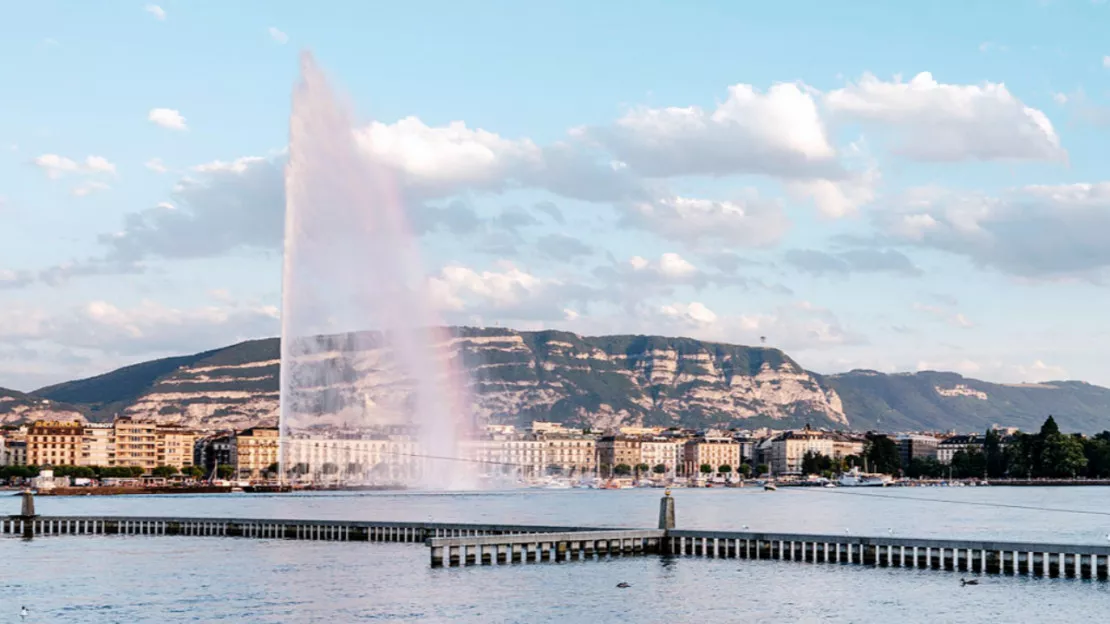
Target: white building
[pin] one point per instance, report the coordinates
(98, 446)
(666, 451)
(954, 444)
(383, 460)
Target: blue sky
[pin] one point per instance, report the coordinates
(719, 170)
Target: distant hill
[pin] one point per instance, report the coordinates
(18, 407)
(939, 400)
(598, 382)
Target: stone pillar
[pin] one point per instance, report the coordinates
(27, 514)
(666, 511)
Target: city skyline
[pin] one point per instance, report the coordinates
(855, 188)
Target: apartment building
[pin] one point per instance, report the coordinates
(175, 446)
(255, 450)
(614, 450)
(55, 443)
(712, 449)
(657, 451)
(136, 443)
(98, 446)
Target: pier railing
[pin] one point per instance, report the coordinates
(461, 544)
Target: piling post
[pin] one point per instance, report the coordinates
(27, 514)
(666, 511)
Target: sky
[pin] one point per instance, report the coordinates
(896, 186)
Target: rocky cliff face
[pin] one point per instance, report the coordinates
(514, 377)
(17, 407)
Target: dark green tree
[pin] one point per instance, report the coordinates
(622, 470)
(225, 471)
(724, 469)
(763, 469)
(882, 454)
(706, 469)
(642, 469)
(659, 468)
(745, 470)
(1062, 456)
(1097, 452)
(995, 454)
(164, 472)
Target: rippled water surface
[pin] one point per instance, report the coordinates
(176, 579)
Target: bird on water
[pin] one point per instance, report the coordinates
(23, 613)
(964, 582)
(623, 585)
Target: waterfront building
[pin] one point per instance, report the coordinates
(711, 448)
(136, 443)
(15, 452)
(255, 450)
(569, 454)
(662, 450)
(642, 431)
(354, 458)
(747, 448)
(916, 446)
(98, 446)
(615, 450)
(214, 450)
(949, 446)
(54, 443)
(790, 447)
(175, 446)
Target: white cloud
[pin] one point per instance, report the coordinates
(693, 312)
(99, 164)
(147, 328)
(1106, 61)
(444, 159)
(950, 122)
(750, 222)
(675, 266)
(89, 187)
(1060, 98)
(239, 165)
(156, 165)
(779, 132)
(167, 118)
(456, 285)
(1037, 231)
(158, 12)
(56, 166)
(278, 36)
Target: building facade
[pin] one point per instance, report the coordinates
(913, 446)
(136, 443)
(98, 447)
(175, 446)
(790, 447)
(255, 451)
(667, 452)
(716, 451)
(948, 447)
(55, 443)
(616, 450)
(570, 454)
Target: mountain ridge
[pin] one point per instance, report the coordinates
(589, 381)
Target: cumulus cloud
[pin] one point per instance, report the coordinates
(779, 132)
(694, 313)
(851, 261)
(278, 36)
(158, 12)
(147, 328)
(1037, 231)
(507, 293)
(948, 122)
(166, 118)
(56, 166)
(750, 222)
(156, 165)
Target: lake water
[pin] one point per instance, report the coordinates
(171, 579)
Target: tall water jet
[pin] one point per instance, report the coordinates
(364, 359)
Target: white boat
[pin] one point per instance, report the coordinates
(855, 478)
(770, 487)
